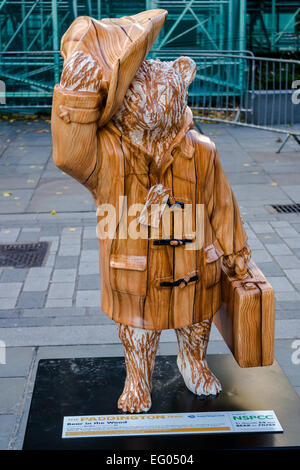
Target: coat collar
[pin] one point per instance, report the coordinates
(159, 169)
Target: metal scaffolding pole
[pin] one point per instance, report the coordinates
(55, 40)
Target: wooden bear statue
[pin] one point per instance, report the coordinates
(121, 126)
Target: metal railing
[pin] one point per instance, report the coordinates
(238, 88)
(29, 78)
(234, 87)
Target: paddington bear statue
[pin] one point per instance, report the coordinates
(121, 127)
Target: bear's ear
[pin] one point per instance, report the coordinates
(187, 68)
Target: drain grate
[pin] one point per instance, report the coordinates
(27, 255)
(287, 208)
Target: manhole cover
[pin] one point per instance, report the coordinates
(27, 255)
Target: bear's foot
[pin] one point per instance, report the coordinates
(198, 378)
(191, 360)
(134, 398)
(140, 347)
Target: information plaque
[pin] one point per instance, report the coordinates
(89, 387)
(170, 423)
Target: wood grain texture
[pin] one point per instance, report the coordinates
(118, 45)
(148, 143)
(191, 359)
(247, 317)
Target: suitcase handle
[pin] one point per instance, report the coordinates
(251, 283)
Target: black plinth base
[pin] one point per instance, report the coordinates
(91, 386)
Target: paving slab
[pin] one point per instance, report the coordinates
(76, 198)
(64, 275)
(26, 155)
(287, 262)
(270, 269)
(18, 362)
(281, 284)
(278, 249)
(9, 312)
(7, 425)
(34, 284)
(293, 275)
(12, 389)
(61, 290)
(32, 299)
(66, 262)
(10, 289)
(293, 192)
(265, 194)
(53, 312)
(88, 298)
(293, 242)
(89, 282)
(59, 303)
(17, 200)
(13, 275)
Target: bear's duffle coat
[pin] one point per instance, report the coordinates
(159, 282)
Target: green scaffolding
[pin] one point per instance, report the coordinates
(30, 33)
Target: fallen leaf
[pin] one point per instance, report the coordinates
(7, 194)
(72, 229)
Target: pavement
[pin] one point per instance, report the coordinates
(53, 311)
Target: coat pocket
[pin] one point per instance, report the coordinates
(213, 265)
(128, 274)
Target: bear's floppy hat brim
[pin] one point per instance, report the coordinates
(119, 45)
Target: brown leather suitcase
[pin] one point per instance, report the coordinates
(247, 317)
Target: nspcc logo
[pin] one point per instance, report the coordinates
(251, 417)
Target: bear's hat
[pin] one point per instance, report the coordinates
(119, 45)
